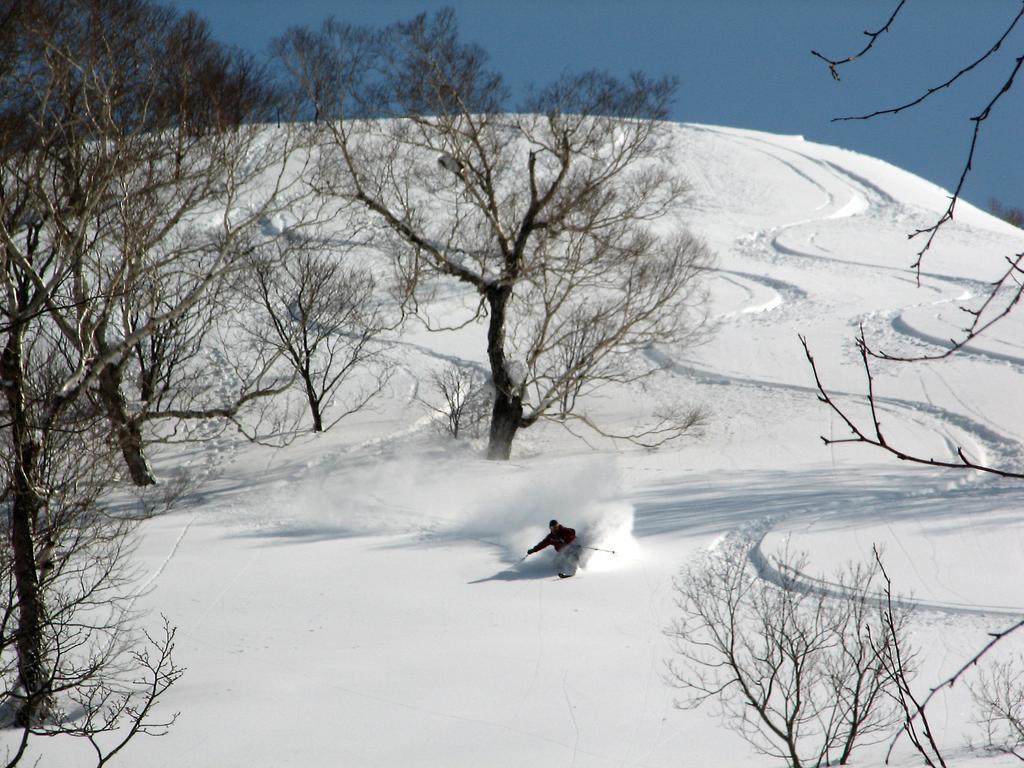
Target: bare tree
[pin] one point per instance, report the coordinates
(134, 155)
(799, 672)
(1005, 292)
(85, 659)
(548, 214)
(109, 189)
(324, 318)
(463, 391)
(185, 373)
(1009, 214)
(998, 694)
(207, 151)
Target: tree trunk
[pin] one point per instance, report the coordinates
(32, 667)
(507, 413)
(126, 429)
(312, 399)
(506, 418)
(24, 513)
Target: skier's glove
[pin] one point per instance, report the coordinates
(529, 551)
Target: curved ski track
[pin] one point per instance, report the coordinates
(851, 195)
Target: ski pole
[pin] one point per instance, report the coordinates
(598, 549)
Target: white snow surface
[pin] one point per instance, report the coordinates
(357, 598)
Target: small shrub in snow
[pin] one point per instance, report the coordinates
(999, 700)
(465, 396)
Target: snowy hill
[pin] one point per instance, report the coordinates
(357, 598)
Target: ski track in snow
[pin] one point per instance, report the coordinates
(164, 563)
(864, 199)
(861, 199)
(770, 569)
(901, 326)
(927, 414)
(229, 585)
(782, 292)
(572, 716)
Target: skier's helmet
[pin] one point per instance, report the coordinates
(552, 524)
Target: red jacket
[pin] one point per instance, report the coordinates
(559, 538)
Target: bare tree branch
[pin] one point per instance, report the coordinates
(931, 231)
(982, 319)
(978, 119)
(876, 436)
(898, 668)
(935, 89)
(834, 64)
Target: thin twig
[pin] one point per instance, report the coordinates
(935, 89)
(860, 436)
(977, 326)
(948, 215)
(897, 670)
(931, 231)
(834, 64)
(950, 681)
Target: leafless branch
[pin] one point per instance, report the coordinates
(897, 668)
(978, 119)
(834, 64)
(998, 694)
(666, 428)
(935, 89)
(930, 232)
(973, 661)
(982, 318)
(876, 436)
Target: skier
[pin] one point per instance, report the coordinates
(561, 538)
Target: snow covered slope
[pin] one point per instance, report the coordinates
(357, 598)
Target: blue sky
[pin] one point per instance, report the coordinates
(744, 63)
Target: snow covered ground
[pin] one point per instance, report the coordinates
(356, 599)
